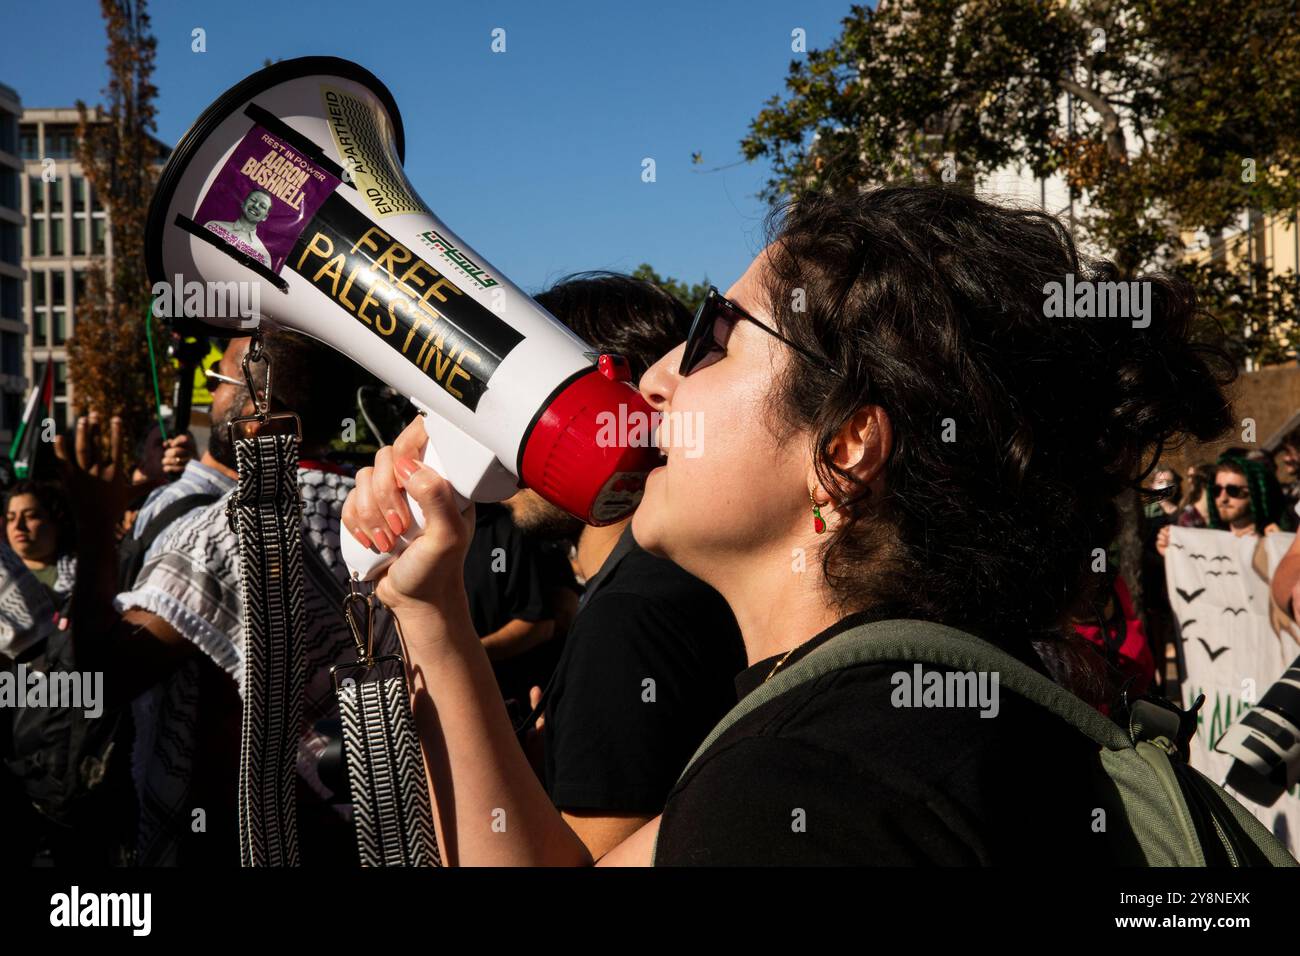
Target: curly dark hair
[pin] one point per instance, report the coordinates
(619, 314)
(1013, 431)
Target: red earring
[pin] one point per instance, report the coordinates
(819, 523)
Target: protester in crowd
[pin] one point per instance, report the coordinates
(1288, 455)
(887, 360)
(1245, 499)
(176, 637)
(609, 766)
(1170, 484)
(1195, 511)
(39, 530)
(69, 758)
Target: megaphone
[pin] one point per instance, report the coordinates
(292, 182)
(1265, 742)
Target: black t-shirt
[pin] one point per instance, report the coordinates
(647, 670)
(502, 573)
(832, 772)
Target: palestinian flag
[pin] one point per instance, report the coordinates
(27, 441)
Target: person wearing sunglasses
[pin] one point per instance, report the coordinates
(896, 430)
(1245, 498)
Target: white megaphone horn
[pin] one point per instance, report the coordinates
(293, 180)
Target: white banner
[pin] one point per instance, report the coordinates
(1231, 651)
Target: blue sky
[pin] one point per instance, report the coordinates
(533, 155)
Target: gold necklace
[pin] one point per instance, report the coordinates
(780, 662)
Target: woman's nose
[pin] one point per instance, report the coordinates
(660, 380)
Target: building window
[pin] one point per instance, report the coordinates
(61, 142)
(11, 244)
(35, 194)
(9, 196)
(8, 132)
(78, 192)
(56, 196)
(60, 326)
(79, 234)
(98, 229)
(11, 354)
(95, 204)
(27, 148)
(78, 287)
(60, 288)
(38, 289)
(56, 236)
(12, 408)
(38, 236)
(40, 326)
(11, 298)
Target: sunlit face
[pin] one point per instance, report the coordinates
(1231, 509)
(229, 401)
(736, 491)
(257, 207)
(32, 532)
(1290, 456)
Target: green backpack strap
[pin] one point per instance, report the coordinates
(1145, 809)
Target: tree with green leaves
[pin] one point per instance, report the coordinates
(689, 295)
(108, 353)
(1166, 116)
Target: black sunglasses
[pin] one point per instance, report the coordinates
(1233, 491)
(714, 320)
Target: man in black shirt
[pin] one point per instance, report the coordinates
(508, 580)
(648, 665)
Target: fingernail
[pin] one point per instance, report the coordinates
(394, 521)
(406, 467)
(381, 538)
(363, 538)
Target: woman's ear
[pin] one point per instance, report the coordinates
(863, 443)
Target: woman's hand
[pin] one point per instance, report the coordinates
(430, 573)
(1162, 541)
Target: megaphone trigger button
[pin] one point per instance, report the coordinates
(614, 368)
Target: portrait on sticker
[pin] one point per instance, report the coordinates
(263, 198)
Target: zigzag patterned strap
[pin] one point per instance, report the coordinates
(267, 516)
(390, 798)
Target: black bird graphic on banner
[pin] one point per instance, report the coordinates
(1214, 574)
(1189, 598)
(1195, 556)
(1221, 557)
(1234, 610)
(1213, 654)
(1184, 625)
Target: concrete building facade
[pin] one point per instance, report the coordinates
(13, 381)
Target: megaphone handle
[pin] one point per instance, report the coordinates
(365, 564)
